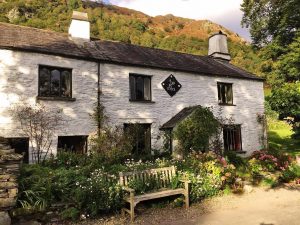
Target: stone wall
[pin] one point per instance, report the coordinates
(19, 83)
(9, 170)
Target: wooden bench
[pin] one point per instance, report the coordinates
(163, 177)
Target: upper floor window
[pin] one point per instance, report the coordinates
(225, 95)
(140, 87)
(55, 82)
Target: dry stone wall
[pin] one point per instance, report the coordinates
(9, 170)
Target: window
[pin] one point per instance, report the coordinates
(140, 87)
(140, 134)
(232, 138)
(55, 82)
(76, 144)
(225, 93)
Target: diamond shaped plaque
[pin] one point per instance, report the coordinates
(171, 85)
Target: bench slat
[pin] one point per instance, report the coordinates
(159, 194)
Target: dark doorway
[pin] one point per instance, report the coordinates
(77, 144)
(21, 146)
(140, 134)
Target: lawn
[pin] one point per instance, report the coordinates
(279, 135)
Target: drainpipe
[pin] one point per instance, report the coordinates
(98, 101)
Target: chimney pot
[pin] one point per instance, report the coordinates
(218, 46)
(80, 26)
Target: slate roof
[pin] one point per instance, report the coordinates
(49, 42)
(184, 113)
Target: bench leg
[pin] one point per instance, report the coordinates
(186, 195)
(186, 201)
(132, 211)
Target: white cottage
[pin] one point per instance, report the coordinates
(154, 88)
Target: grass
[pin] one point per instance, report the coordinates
(279, 135)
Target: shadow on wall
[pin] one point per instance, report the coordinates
(19, 84)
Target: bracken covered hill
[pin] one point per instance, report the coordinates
(111, 22)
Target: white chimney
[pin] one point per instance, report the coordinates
(80, 26)
(217, 46)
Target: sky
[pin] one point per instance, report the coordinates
(224, 12)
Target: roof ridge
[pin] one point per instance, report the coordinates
(156, 49)
(34, 28)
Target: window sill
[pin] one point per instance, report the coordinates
(240, 152)
(56, 99)
(142, 101)
(226, 104)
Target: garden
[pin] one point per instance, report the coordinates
(72, 186)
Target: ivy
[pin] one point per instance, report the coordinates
(194, 132)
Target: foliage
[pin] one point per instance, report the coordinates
(90, 191)
(39, 124)
(291, 173)
(234, 159)
(286, 100)
(272, 160)
(271, 21)
(70, 213)
(194, 132)
(120, 24)
(208, 174)
(112, 143)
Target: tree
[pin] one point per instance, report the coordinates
(39, 124)
(271, 20)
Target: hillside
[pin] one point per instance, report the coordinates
(121, 24)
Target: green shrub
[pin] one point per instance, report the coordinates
(70, 213)
(234, 159)
(291, 173)
(194, 132)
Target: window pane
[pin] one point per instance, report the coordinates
(219, 93)
(139, 88)
(132, 87)
(223, 93)
(55, 83)
(66, 84)
(229, 94)
(147, 88)
(44, 82)
(232, 138)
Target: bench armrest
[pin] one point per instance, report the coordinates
(128, 189)
(185, 181)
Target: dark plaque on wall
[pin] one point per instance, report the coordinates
(171, 85)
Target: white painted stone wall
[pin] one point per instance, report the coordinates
(196, 89)
(19, 82)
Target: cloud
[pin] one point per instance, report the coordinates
(226, 13)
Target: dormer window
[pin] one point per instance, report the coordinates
(55, 82)
(140, 87)
(225, 96)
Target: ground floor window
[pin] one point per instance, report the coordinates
(232, 137)
(140, 134)
(21, 146)
(77, 144)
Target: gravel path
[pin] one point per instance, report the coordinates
(262, 206)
